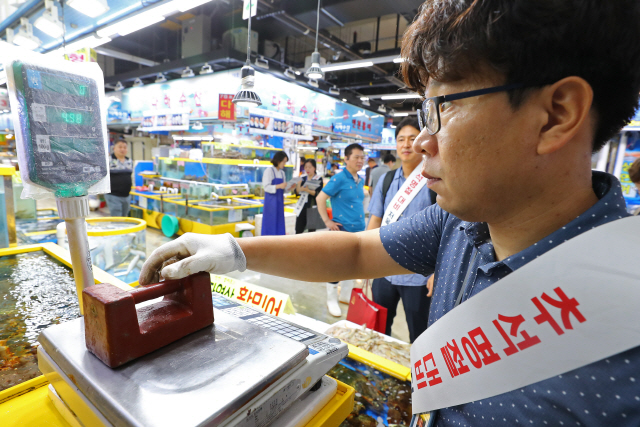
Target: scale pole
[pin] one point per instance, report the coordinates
(74, 210)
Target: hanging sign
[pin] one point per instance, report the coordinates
(272, 123)
(226, 109)
(263, 299)
(572, 306)
(165, 119)
(249, 5)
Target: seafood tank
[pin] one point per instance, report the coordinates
(380, 400)
(36, 291)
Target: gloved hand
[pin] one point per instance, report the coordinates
(218, 253)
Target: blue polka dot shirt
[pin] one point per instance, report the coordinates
(605, 393)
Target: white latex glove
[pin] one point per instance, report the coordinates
(215, 253)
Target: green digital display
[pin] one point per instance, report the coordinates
(63, 86)
(68, 116)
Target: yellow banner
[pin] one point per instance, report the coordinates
(263, 299)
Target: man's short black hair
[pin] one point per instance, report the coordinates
(407, 121)
(351, 147)
(371, 159)
(119, 140)
(534, 43)
(389, 158)
(279, 157)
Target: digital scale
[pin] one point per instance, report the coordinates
(249, 369)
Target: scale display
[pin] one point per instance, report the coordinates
(62, 128)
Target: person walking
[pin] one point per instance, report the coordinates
(396, 187)
(307, 195)
(389, 162)
(346, 191)
(274, 182)
(120, 170)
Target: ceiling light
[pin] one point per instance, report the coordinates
(382, 109)
(398, 60)
(298, 73)
(314, 83)
(365, 102)
(262, 63)
(347, 66)
(246, 97)
(197, 126)
(119, 86)
(187, 72)
(403, 113)
(24, 36)
(344, 99)
(334, 91)
(49, 23)
(137, 22)
(289, 72)
(160, 78)
(190, 4)
(137, 82)
(315, 72)
(364, 98)
(401, 96)
(91, 8)
(206, 69)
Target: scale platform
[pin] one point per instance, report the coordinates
(245, 370)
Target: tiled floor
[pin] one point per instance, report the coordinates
(308, 297)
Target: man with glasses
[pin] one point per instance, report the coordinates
(518, 94)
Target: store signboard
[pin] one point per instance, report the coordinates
(4, 100)
(272, 123)
(85, 54)
(263, 299)
(200, 96)
(227, 109)
(165, 120)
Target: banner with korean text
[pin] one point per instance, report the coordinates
(263, 299)
(572, 306)
(226, 108)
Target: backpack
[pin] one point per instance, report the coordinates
(388, 179)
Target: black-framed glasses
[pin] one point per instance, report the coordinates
(429, 115)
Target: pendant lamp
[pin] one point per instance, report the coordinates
(246, 97)
(315, 72)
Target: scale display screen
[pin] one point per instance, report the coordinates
(63, 86)
(68, 116)
(62, 128)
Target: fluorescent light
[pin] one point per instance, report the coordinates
(364, 98)
(403, 113)
(401, 96)
(90, 42)
(347, 65)
(91, 8)
(344, 99)
(49, 23)
(24, 36)
(190, 4)
(136, 22)
(399, 60)
(142, 23)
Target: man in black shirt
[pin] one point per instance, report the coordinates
(121, 168)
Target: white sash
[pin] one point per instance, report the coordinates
(303, 199)
(404, 196)
(572, 306)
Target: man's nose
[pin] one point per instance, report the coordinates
(425, 144)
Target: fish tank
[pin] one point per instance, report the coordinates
(4, 231)
(220, 150)
(380, 399)
(117, 246)
(36, 291)
(214, 212)
(215, 173)
(24, 208)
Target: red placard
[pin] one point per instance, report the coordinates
(226, 108)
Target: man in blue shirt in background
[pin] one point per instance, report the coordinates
(518, 94)
(411, 288)
(346, 190)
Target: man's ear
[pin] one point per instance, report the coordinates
(567, 104)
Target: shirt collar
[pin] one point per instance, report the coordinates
(348, 174)
(610, 206)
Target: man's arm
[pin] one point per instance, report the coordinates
(321, 199)
(344, 256)
(374, 222)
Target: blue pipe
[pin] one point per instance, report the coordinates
(15, 16)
